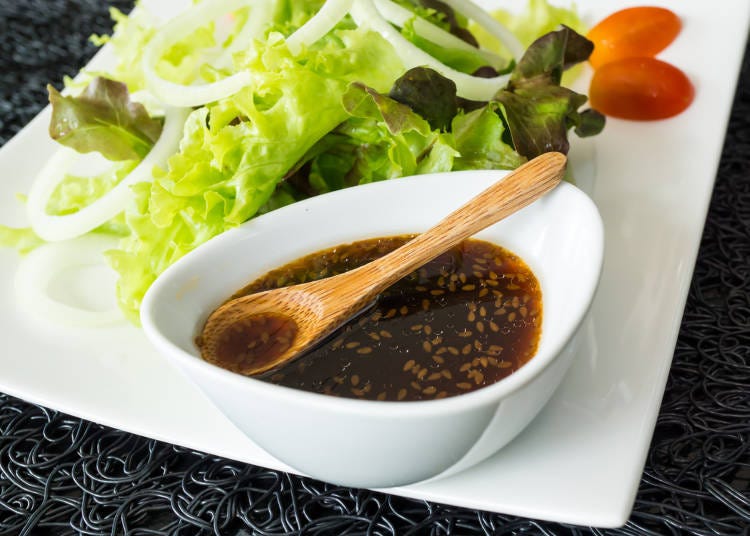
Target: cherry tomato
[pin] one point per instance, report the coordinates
(640, 89)
(635, 31)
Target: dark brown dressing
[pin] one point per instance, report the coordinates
(251, 341)
(463, 321)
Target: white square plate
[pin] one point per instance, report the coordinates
(581, 460)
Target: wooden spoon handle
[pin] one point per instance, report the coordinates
(518, 189)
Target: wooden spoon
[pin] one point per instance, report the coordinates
(259, 332)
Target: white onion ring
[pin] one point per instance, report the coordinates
(398, 15)
(181, 95)
(39, 268)
(365, 14)
(469, 9)
(55, 228)
(319, 24)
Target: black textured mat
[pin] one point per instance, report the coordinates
(62, 475)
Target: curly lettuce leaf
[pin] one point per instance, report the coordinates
(385, 139)
(235, 152)
(103, 119)
(539, 111)
(131, 33)
(537, 18)
(22, 239)
(478, 137)
(429, 94)
(548, 57)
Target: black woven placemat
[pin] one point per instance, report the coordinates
(62, 475)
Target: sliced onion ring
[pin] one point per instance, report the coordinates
(319, 24)
(38, 270)
(365, 14)
(55, 228)
(398, 15)
(181, 95)
(469, 9)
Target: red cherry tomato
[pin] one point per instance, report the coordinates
(635, 31)
(640, 89)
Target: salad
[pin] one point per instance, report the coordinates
(234, 108)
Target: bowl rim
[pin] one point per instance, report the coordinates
(375, 408)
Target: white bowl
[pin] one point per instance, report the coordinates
(362, 443)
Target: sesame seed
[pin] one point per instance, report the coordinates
(409, 365)
(429, 390)
(364, 350)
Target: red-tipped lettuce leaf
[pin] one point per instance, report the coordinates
(103, 119)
